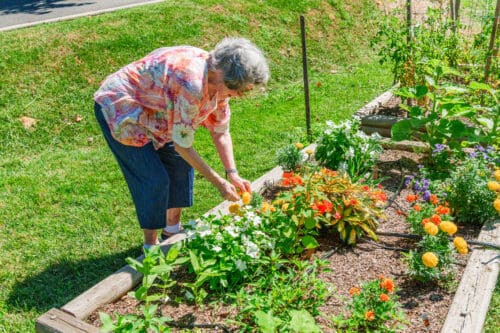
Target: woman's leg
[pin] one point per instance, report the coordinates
(147, 180)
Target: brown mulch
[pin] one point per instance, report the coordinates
(425, 306)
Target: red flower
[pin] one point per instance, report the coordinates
(384, 297)
(382, 196)
(370, 315)
(365, 188)
(323, 207)
(379, 186)
(288, 174)
(291, 181)
(337, 216)
(353, 202)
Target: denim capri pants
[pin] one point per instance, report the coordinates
(157, 179)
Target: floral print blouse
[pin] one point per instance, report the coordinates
(162, 97)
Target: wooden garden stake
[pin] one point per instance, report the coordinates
(408, 20)
(492, 51)
(306, 79)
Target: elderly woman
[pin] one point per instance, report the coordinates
(149, 111)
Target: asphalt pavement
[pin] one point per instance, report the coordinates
(16, 14)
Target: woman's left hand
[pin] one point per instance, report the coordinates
(239, 182)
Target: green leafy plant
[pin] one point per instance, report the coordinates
(290, 157)
(468, 193)
(373, 307)
(145, 323)
(346, 148)
(330, 199)
(285, 301)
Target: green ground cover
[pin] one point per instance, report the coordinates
(66, 217)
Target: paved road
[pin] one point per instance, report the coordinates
(22, 13)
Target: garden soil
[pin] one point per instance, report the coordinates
(425, 305)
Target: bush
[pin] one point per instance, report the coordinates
(344, 147)
(468, 193)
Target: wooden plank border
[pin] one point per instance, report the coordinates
(469, 308)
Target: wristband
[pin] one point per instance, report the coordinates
(228, 171)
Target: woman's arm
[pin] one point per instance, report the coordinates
(190, 155)
(224, 145)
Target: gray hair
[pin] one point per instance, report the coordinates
(241, 62)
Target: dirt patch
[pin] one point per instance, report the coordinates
(425, 305)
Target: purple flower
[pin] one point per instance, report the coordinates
(427, 195)
(407, 181)
(479, 148)
(438, 148)
(472, 154)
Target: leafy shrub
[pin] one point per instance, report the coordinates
(373, 307)
(346, 148)
(286, 300)
(290, 157)
(330, 199)
(468, 193)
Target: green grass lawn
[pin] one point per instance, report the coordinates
(66, 217)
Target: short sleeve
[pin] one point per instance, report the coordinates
(218, 121)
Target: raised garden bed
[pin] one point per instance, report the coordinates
(428, 308)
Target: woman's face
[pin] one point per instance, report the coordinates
(217, 85)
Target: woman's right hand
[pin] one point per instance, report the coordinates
(228, 191)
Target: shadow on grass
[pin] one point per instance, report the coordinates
(62, 281)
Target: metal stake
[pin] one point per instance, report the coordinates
(306, 79)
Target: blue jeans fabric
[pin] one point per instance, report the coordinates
(157, 179)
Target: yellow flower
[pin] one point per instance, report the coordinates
(431, 229)
(493, 186)
(309, 151)
(430, 259)
(246, 197)
(234, 209)
(299, 145)
(449, 227)
(267, 207)
(285, 207)
(496, 204)
(461, 245)
(497, 174)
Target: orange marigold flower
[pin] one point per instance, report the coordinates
(399, 212)
(442, 210)
(434, 199)
(436, 219)
(287, 174)
(411, 197)
(384, 297)
(417, 207)
(387, 284)
(370, 315)
(353, 202)
(425, 221)
(365, 187)
(354, 291)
